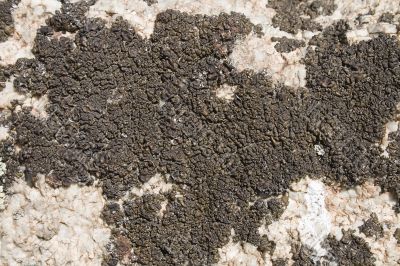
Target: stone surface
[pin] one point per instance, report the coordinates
(199, 132)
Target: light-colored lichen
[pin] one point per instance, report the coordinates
(2, 200)
(38, 106)
(163, 208)
(259, 54)
(3, 168)
(319, 150)
(157, 184)
(46, 226)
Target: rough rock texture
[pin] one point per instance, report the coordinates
(43, 226)
(194, 155)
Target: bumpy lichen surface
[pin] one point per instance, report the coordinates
(190, 153)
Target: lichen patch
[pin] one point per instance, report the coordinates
(364, 18)
(132, 106)
(142, 16)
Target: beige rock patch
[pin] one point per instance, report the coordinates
(28, 16)
(316, 210)
(45, 226)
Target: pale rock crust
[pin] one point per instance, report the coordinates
(46, 226)
(2, 199)
(305, 220)
(226, 92)
(351, 208)
(390, 127)
(37, 105)
(3, 168)
(363, 17)
(8, 94)
(319, 150)
(28, 16)
(316, 210)
(57, 35)
(260, 54)
(155, 185)
(3, 133)
(163, 208)
(241, 254)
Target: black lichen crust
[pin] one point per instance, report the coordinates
(387, 17)
(71, 16)
(123, 108)
(397, 235)
(294, 15)
(358, 86)
(372, 227)
(6, 19)
(350, 250)
(150, 2)
(286, 45)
